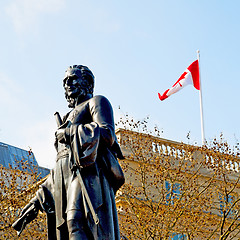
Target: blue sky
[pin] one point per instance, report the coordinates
(135, 49)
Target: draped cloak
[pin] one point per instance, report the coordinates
(90, 141)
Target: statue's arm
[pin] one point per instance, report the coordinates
(102, 114)
(42, 201)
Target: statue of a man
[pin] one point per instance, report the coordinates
(79, 194)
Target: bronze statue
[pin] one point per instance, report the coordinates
(79, 194)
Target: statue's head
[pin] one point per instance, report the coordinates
(78, 83)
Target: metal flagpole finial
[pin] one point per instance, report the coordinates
(198, 54)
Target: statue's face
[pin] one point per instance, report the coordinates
(73, 83)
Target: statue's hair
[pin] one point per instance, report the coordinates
(86, 74)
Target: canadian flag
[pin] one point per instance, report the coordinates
(190, 76)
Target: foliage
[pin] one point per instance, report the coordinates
(175, 189)
(17, 187)
(172, 189)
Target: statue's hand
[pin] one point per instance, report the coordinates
(60, 135)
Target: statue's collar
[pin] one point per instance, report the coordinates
(82, 100)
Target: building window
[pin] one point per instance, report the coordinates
(173, 191)
(226, 204)
(178, 236)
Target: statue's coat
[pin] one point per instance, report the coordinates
(90, 138)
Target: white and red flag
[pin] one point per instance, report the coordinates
(190, 76)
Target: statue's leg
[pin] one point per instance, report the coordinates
(78, 228)
(62, 232)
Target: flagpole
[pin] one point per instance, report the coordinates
(200, 99)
